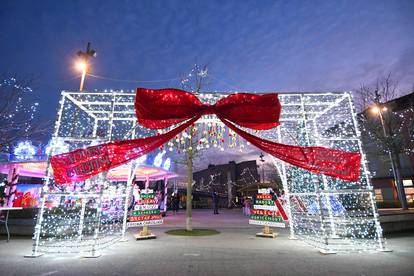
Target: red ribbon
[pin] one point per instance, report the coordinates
(163, 108)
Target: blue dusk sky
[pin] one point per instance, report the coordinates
(248, 45)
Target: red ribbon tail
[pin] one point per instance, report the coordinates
(336, 163)
(82, 164)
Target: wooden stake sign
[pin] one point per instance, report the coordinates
(267, 211)
(145, 213)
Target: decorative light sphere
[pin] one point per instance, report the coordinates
(24, 150)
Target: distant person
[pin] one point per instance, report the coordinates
(175, 202)
(247, 206)
(215, 202)
(245, 199)
(158, 199)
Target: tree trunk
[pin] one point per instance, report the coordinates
(399, 183)
(189, 201)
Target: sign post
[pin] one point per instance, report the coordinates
(145, 213)
(269, 212)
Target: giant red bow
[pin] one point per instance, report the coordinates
(166, 107)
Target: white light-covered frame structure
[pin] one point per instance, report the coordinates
(80, 224)
(328, 213)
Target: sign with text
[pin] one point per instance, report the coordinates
(146, 211)
(267, 210)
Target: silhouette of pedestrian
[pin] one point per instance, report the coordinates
(215, 202)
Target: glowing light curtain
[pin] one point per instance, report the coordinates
(162, 108)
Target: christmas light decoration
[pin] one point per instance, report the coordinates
(17, 112)
(328, 213)
(158, 159)
(167, 164)
(58, 144)
(92, 214)
(24, 150)
(78, 221)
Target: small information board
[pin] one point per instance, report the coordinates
(267, 210)
(146, 211)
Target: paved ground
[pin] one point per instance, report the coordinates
(236, 251)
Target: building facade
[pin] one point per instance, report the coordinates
(218, 177)
(226, 179)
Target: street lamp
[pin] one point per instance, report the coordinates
(378, 109)
(262, 160)
(82, 63)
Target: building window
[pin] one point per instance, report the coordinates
(407, 183)
(409, 194)
(378, 195)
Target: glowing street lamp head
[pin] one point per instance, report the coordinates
(81, 65)
(375, 109)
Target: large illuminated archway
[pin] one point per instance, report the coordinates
(329, 213)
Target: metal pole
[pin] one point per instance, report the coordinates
(82, 82)
(82, 218)
(130, 184)
(147, 183)
(263, 179)
(165, 194)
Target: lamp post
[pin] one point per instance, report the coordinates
(82, 64)
(262, 160)
(379, 108)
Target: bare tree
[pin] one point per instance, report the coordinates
(383, 124)
(17, 111)
(188, 144)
